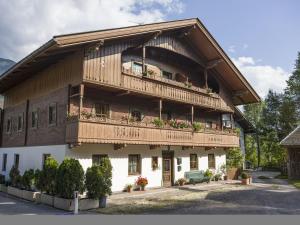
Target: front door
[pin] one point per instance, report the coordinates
(167, 170)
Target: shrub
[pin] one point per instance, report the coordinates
(181, 181)
(197, 126)
(217, 177)
(49, 175)
(39, 180)
(2, 179)
(98, 180)
(244, 175)
(28, 179)
(69, 178)
(208, 174)
(158, 122)
(15, 177)
(234, 158)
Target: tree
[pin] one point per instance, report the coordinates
(49, 174)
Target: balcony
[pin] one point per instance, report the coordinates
(163, 88)
(113, 132)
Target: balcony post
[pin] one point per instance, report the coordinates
(143, 61)
(81, 92)
(192, 114)
(160, 108)
(205, 78)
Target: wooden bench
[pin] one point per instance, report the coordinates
(195, 177)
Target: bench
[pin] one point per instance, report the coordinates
(195, 177)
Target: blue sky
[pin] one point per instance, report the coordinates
(268, 30)
(261, 37)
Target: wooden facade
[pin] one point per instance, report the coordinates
(154, 69)
(292, 144)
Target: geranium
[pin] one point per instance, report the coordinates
(141, 181)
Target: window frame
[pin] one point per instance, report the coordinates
(138, 164)
(100, 158)
(34, 117)
(4, 162)
(17, 156)
(227, 120)
(194, 162)
(54, 122)
(209, 161)
(20, 122)
(8, 128)
(45, 156)
(102, 115)
(167, 75)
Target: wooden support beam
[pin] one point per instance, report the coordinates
(192, 114)
(143, 61)
(119, 146)
(123, 93)
(81, 94)
(160, 108)
(152, 147)
(205, 78)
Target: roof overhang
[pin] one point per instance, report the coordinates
(240, 118)
(63, 45)
(292, 140)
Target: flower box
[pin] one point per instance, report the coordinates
(29, 195)
(47, 199)
(3, 188)
(246, 181)
(68, 204)
(14, 191)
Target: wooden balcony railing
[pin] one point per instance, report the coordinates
(165, 89)
(84, 131)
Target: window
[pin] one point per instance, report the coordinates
(102, 110)
(136, 115)
(98, 159)
(17, 160)
(34, 119)
(167, 75)
(137, 68)
(45, 157)
(226, 120)
(52, 114)
(134, 164)
(193, 162)
(4, 162)
(211, 161)
(154, 162)
(20, 122)
(8, 125)
(208, 124)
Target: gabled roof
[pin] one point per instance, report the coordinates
(293, 139)
(240, 118)
(61, 46)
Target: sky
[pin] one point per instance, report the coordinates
(260, 36)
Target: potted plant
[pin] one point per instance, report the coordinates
(223, 171)
(181, 181)
(208, 175)
(217, 177)
(197, 126)
(98, 182)
(245, 178)
(142, 182)
(158, 122)
(128, 187)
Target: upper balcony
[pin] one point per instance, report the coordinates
(125, 71)
(116, 132)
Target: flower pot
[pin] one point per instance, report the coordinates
(128, 190)
(245, 181)
(47, 199)
(225, 177)
(102, 202)
(29, 195)
(14, 191)
(142, 188)
(3, 188)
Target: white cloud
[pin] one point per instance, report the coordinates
(26, 24)
(231, 49)
(262, 77)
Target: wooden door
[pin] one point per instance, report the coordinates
(167, 172)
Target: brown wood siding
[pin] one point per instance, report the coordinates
(67, 71)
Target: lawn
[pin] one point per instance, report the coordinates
(296, 183)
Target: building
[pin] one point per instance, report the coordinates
(136, 95)
(292, 144)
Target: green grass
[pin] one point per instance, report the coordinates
(280, 176)
(263, 177)
(296, 183)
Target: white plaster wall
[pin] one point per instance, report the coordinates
(30, 157)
